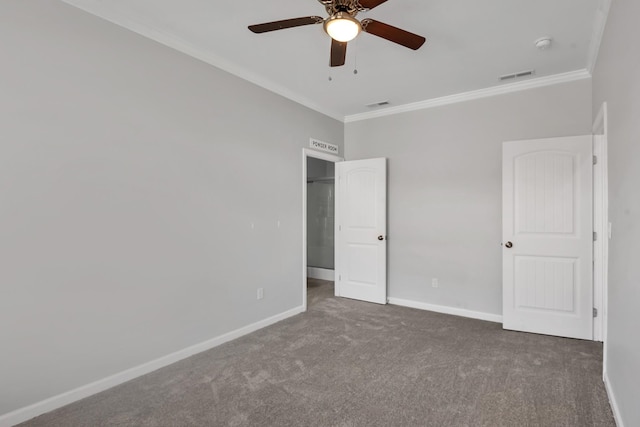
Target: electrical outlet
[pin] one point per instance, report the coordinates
(260, 293)
(434, 282)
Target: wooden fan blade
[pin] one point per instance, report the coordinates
(393, 34)
(338, 53)
(370, 4)
(285, 23)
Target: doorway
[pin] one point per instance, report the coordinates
(318, 217)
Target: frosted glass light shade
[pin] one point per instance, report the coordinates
(342, 27)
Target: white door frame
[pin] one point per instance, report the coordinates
(601, 226)
(306, 152)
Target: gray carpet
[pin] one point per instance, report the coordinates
(349, 363)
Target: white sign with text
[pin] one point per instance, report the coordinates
(323, 146)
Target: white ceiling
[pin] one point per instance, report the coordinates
(469, 44)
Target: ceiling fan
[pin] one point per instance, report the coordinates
(342, 27)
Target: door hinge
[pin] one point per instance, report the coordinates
(595, 312)
(339, 277)
(595, 160)
(595, 236)
(339, 228)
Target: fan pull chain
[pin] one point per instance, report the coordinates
(355, 57)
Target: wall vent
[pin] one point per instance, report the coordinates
(517, 75)
(378, 104)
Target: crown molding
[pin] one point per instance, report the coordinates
(475, 94)
(98, 9)
(598, 32)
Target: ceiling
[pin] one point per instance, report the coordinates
(470, 43)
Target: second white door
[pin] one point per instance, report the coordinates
(548, 236)
(361, 241)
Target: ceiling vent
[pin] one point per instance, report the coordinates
(517, 75)
(378, 104)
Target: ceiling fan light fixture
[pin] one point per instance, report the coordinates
(342, 27)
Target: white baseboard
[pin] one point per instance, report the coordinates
(612, 400)
(320, 273)
(39, 408)
(446, 310)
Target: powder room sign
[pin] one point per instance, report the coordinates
(323, 146)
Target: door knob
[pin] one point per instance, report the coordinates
(509, 245)
(380, 237)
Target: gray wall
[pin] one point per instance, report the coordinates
(444, 187)
(616, 81)
(129, 177)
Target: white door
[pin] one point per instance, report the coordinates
(361, 243)
(548, 236)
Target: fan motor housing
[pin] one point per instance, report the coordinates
(352, 7)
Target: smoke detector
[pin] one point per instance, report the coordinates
(543, 43)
